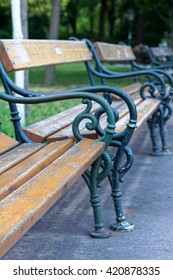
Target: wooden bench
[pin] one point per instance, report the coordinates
(161, 57)
(35, 175)
(121, 53)
(153, 85)
(26, 54)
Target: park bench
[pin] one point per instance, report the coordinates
(160, 56)
(156, 82)
(124, 54)
(35, 170)
(35, 175)
(62, 129)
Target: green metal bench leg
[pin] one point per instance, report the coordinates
(100, 231)
(156, 125)
(153, 127)
(162, 130)
(121, 223)
(91, 179)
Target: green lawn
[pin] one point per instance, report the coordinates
(68, 76)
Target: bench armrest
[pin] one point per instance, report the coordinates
(86, 114)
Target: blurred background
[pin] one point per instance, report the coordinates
(133, 22)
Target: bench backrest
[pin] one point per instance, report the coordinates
(114, 52)
(25, 54)
(161, 51)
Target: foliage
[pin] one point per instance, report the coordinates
(153, 19)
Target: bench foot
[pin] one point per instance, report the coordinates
(166, 151)
(163, 152)
(100, 233)
(158, 153)
(122, 226)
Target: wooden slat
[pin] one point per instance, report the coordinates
(16, 155)
(133, 88)
(25, 54)
(67, 132)
(19, 174)
(158, 51)
(57, 127)
(6, 143)
(20, 210)
(38, 132)
(112, 52)
(144, 111)
(145, 108)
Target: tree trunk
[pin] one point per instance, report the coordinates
(53, 34)
(102, 19)
(140, 30)
(111, 18)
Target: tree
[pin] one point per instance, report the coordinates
(90, 7)
(111, 16)
(102, 20)
(53, 34)
(155, 16)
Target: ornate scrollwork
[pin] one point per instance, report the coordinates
(164, 113)
(167, 111)
(108, 97)
(148, 88)
(105, 168)
(85, 114)
(127, 165)
(98, 114)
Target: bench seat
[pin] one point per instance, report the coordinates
(39, 131)
(144, 110)
(20, 172)
(20, 209)
(59, 127)
(7, 143)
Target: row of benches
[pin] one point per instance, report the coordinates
(90, 139)
(156, 56)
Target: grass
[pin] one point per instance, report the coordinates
(68, 76)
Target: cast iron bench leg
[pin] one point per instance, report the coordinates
(115, 178)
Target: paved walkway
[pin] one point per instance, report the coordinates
(148, 201)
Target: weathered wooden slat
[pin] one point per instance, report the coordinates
(19, 174)
(67, 132)
(144, 111)
(112, 52)
(20, 210)
(57, 127)
(6, 143)
(38, 132)
(16, 155)
(25, 54)
(133, 88)
(159, 52)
